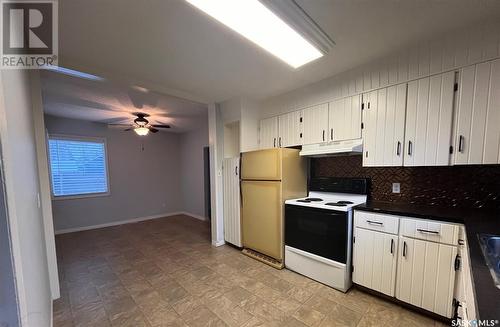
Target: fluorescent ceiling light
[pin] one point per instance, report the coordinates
(260, 25)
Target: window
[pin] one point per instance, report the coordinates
(78, 166)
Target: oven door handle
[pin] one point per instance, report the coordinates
(316, 257)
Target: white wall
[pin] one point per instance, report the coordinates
(142, 182)
(19, 161)
(444, 53)
(44, 182)
(192, 170)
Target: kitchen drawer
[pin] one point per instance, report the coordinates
(375, 221)
(430, 230)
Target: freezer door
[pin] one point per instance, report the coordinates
(261, 165)
(262, 217)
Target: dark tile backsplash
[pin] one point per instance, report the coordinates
(475, 186)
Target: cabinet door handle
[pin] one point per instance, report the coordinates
(331, 134)
(461, 143)
(323, 135)
(279, 142)
(404, 249)
(236, 170)
(392, 246)
(398, 149)
(410, 146)
(371, 222)
(274, 142)
(427, 231)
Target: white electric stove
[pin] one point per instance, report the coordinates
(318, 230)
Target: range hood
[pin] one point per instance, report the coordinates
(336, 148)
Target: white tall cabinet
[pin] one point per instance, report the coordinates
(232, 221)
(477, 137)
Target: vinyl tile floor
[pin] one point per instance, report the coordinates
(165, 272)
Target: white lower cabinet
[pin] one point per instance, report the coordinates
(374, 258)
(426, 275)
(464, 290)
(415, 260)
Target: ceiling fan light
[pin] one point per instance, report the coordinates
(142, 131)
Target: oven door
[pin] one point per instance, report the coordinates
(317, 231)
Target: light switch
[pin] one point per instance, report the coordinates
(396, 188)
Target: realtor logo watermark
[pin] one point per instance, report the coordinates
(29, 34)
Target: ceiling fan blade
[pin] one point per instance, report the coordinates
(128, 129)
(153, 130)
(116, 121)
(119, 125)
(161, 126)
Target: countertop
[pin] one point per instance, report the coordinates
(476, 222)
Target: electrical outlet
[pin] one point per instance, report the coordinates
(396, 188)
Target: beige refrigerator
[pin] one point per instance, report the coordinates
(268, 178)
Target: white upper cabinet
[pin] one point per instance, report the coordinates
(429, 120)
(290, 129)
(344, 119)
(370, 101)
(384, 124)
(315, 124)
(269, 133)
(477, 134)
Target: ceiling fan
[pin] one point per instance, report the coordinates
(141, 125)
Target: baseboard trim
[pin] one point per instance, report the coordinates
(193, 215)
(120, 222)
(218, 243)
(51, 313)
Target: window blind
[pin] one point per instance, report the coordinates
(78, 167)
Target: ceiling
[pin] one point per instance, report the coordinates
(172, 44)
(111, 103)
